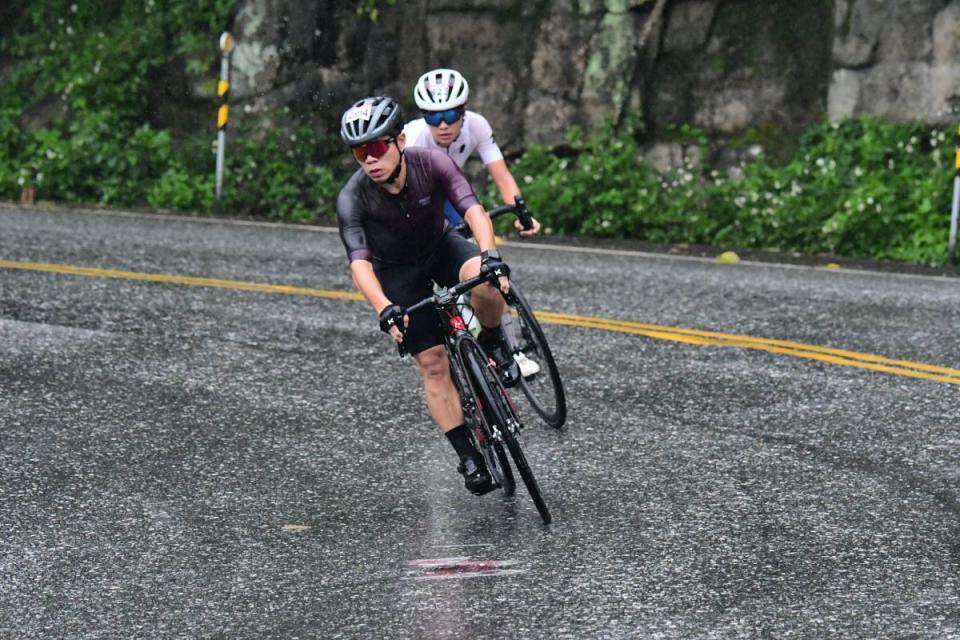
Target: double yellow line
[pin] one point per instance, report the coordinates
(674, 334)
(781, 347)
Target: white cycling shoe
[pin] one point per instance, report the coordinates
(528, 368)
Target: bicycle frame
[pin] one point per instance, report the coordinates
(487, 433)
(449, 312)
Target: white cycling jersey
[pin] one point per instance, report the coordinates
(476, 134)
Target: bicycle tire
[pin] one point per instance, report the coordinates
(499, 457)
(500, 410)
(533, 344)
(507, 481)
(492, 451)
(526, 474)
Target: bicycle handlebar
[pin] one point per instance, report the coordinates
(448, 294)
(518, 209)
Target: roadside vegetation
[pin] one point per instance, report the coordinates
(79, 123)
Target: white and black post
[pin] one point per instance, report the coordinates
(223, 113)
(952, 249)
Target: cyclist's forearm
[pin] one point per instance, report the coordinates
(367, 283)
(502, 177)
(481, 227)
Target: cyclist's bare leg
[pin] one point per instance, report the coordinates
(442, 398)
(487, 302)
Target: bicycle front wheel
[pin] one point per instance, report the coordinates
(501, 414)
(543, 389)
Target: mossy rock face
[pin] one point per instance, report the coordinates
(765, 62)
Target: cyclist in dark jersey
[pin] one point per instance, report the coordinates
(399, 242)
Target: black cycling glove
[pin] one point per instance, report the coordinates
(391, 316)
(492, 266)
(522, 213)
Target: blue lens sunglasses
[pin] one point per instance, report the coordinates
(450, 116)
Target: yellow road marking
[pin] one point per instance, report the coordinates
(675, 334)
(172, 279)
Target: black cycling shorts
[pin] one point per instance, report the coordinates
(408, 284)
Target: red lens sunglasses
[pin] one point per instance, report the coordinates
(377, 149)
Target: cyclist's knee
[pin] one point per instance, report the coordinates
(486, 296)
(470, 269)
(433, 364)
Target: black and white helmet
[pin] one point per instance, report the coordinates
(369, 119)
(441, 89)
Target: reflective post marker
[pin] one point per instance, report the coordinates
(223, 113)
(956, 206)
(952, 248)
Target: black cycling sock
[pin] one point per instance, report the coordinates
(490, 336)
(459, 437)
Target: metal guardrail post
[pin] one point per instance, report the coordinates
(952, 250)
(223, 113)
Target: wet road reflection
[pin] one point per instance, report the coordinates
(197, 462)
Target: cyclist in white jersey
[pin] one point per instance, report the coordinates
(448, 126)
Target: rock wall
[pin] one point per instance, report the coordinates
(537, 67)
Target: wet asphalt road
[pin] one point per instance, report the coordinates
(192, 462)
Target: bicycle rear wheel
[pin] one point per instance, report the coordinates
(501, 414)
(544, 389)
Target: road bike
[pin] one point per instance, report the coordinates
(544, 389)
(489, 409)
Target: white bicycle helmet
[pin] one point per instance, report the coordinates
(369, 119)
(441, 89)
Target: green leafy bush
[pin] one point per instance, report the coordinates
(858, 188)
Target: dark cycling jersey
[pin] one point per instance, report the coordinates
(403, 228)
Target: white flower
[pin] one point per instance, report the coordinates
(69, 30)
(39, 176)
(870, 200)
(820, 162)
(21, 181)
(73, 8)
(858, 172)
(293, 137)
